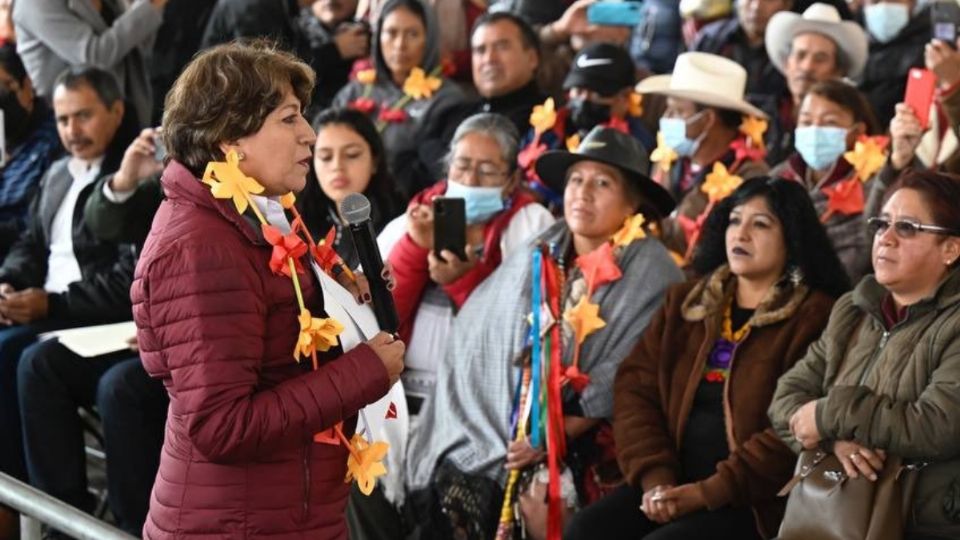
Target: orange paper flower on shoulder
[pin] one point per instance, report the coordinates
(573, 142)
(599, 267)
(418, 85)
(868, 155)
(367, 76)
(844, 198)
(720, 183)
(754, 128)
(635, 107)
(577, 379)
(632, 230)
(543, 117)
(227, 181)
(316, 334)
(663, 155)
(365, 463)
(584, 318)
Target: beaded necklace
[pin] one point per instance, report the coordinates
(718, 363)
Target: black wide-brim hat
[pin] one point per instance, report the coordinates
(614, 148)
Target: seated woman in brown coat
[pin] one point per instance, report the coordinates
(692, 434)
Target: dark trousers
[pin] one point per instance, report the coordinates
(13, 341)
(53, 382)
(618, 515)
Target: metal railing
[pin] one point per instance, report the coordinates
(36, 505)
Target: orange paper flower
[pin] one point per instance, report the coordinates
(754, 128)
(367, 76)
(584, 318)
(635, 107)
(599, 267)
(573, 142)
(868, 155)
(663, 155)
(844, 197)
(418, 85)
(577, 379)
(720, 183)
(632, 230)
(365, 463)
(287, 201)
(285, 246)
(543, 117)
(315, 334)
(226, 181)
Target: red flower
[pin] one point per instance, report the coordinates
(715, 376)
(743, 151)
(362, 104)
(578, 380)
(619, 124)
(599, 267)
(529, 155)
(285, 246)
(392, 115)
(844, 197)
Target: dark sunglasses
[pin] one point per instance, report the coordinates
(906, 229)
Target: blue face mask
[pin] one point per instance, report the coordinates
(820, 146)
(481, 203)
(885, 20)
(674, 132)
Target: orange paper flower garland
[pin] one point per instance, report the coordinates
(846, 197)
(227, 181)
(418, 85)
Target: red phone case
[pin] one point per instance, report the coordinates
(921, 85)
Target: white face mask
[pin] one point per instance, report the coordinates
(885, 20)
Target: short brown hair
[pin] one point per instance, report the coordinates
(850, 98)
(226, 93)
(940, 192)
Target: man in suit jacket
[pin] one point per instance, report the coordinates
(55, 34)
(58, 274)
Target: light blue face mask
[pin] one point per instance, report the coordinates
(885, 20)
(820, 146)
(674, 132)
(480, 203)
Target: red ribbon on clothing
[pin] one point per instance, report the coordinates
(556, 434)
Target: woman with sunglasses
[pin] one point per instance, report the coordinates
(882, 380)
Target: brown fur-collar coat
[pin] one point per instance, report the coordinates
(655, 388)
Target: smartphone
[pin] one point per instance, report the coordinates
(921, 85)
(615, 13)
(160, 150)
(450, 226)
(944, 20)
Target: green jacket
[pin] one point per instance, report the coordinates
(897, 390)
(129, 221)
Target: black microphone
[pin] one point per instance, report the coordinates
(355, 210)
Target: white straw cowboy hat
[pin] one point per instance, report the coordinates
(704, 78)
(824, 19)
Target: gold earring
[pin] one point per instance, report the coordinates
(241, 156)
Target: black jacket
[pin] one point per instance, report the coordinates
(726, 38)
(884, 79)
(103, 293)
(274, 19)
(333, 71)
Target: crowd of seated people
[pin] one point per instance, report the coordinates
(645, 201)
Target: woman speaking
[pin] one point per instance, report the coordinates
(231, 316)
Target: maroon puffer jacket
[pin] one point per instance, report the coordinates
(219, 328)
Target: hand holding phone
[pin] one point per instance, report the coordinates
(921, 85)
(450, 226)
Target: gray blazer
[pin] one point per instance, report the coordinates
(55, 34)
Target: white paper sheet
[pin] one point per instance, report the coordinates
(90, 341)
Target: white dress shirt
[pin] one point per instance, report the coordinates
(62, 266)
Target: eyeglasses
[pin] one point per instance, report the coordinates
(485, 172)
(906, 229)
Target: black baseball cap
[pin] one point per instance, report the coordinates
(603, 68)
